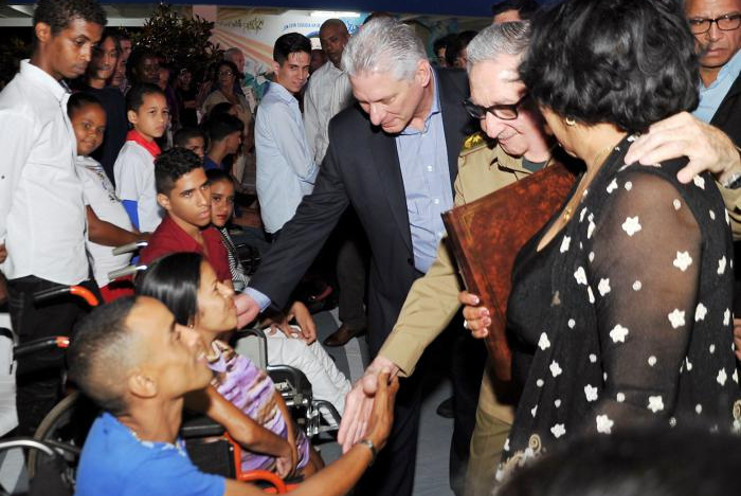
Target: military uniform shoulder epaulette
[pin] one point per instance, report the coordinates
(474, 142)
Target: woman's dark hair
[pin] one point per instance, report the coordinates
(216, 175)
(174, 280)
(627, 62)
(81, 99)
(662, 462)
(225, 63)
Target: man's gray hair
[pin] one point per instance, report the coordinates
(510, 38)
(384, 45)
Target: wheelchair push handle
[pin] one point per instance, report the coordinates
(129, 270)
(79, 291)
(129, 248)
(37, 345)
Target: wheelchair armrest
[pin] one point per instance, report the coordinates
(195, 426)
(292, 375)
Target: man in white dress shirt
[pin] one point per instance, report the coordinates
(42, 211)
(328, 90)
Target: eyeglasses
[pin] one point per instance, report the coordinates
(226, 73)
(508, 112)
(728, 22)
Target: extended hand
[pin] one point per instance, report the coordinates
(361, 401)
(708, 148)
(247, 309)
(304, 320)
(382, 418)
(477, 318)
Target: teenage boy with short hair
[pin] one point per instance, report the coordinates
(42, 212)
(184, 193)
(136, 362)
(190, 138)
(146, 110)
(224, 133)
(286, 170)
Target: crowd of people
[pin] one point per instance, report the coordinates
(620, 318)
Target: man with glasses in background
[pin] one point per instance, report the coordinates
(715, 24)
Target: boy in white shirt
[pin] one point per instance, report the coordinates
(146, 109)
(108, 222)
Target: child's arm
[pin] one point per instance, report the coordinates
(132, 208)
(105, 233)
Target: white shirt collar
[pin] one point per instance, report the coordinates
(43, 79)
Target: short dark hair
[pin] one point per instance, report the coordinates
(634, 463)
(185, 134)
(290, 43)
(171, 165)
(58, 13)
(174, 280)
(135, 96)
(101, 354)
(443, 42)
(81, 99)
(456, 44)
(627, 62)
(526, 8)
(216, 175)
(135, 58)
(219, 126)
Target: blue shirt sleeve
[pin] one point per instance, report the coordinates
(261, 298)
(132, 208)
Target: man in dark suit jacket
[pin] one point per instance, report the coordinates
(366, 166)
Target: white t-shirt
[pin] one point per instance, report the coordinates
(101, 197)
(134, 173)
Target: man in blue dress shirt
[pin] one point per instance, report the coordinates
(285, 168)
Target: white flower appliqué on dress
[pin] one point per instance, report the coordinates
(682, 261)
(544, 343)
(655, 403)
(590, 392)
(618, 333)
(676, 318)
(558, 430)
(631, 225)
(604, 424)
(700, 312)
(555, 369)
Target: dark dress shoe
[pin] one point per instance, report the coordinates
(342, 335)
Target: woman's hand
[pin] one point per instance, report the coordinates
(304, 320)
(477, 318)
(285, 464)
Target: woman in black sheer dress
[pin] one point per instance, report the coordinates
(620, 312)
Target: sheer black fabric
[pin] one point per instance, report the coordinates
(625, 315)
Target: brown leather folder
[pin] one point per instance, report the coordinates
(486, 235)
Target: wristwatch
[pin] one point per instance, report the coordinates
(733, 182)
(371, 447)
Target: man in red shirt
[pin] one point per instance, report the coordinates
(185, 194)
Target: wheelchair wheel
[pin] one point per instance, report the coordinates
(66, 426)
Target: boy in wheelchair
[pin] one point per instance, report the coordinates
(138, 364)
